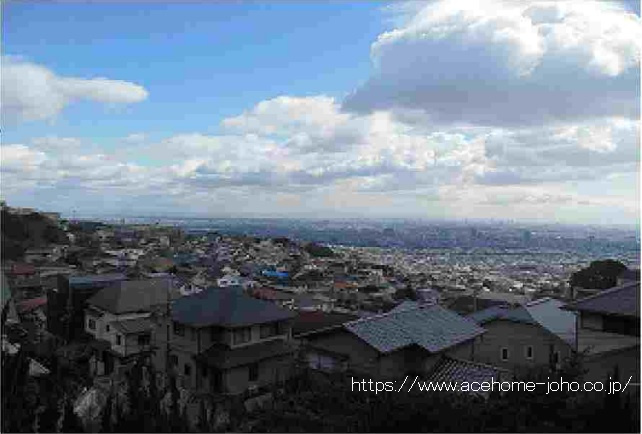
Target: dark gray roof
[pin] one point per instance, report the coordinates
(622, 300)
(228, 307)
(517, 314)
(431, 327)
(133, 295)
(95, 280)
(309, 322)
(133, 326)
(222, 357)
(549, 314)
(456, 370)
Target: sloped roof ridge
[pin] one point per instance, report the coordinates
(389, 313)
(607, 291)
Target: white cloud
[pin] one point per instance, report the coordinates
(20, 158)
(507, 63)
(397, 168)
(54, 143)
(33, 92)
(135, 138)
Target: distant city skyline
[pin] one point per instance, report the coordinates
(512, 111)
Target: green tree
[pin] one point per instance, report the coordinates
(598, 275)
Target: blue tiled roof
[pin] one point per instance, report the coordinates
(431, 327)
(228, 307)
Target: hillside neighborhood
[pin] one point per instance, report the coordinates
(224, 320)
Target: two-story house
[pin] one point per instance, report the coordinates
(222, 341)
(608, 332)
(66, 302)
(536, 336)
(118, 318)
(412, 338)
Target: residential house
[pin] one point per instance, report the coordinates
(222, 341)
(404, 340)
(524, 339)
(66, 302)
(608, 332)
(118, 318)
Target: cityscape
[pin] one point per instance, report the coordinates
(306, 217)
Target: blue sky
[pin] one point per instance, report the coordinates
(526, 111)
(201, 62)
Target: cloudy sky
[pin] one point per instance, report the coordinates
(523, 110)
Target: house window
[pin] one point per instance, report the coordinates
(504, 353)
(187, 370)
(253, 372)
(528, 352)
(144, 339)
(119, 340)
(91, 323)
(179, 329)
(269, 330)
(242, 336)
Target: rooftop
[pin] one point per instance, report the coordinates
(431, 327)
(456, 370)
(307, 322)
(222, 357)
(133, 295)
(95, 279)
(228, 307)
(622, 300)
(133, 326)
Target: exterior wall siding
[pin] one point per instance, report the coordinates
(516, 337)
